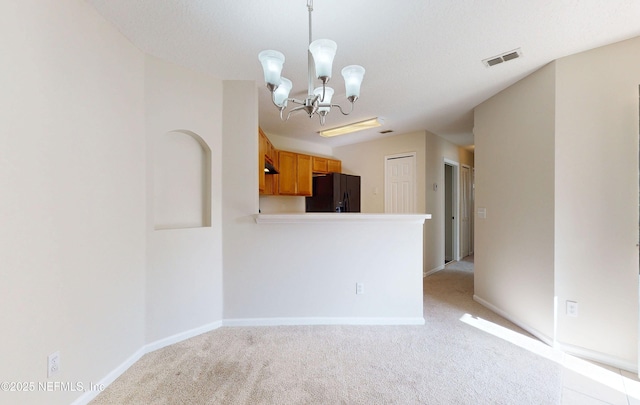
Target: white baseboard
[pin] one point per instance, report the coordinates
(597, 356)
(148, 348)
(322, 321)
(544, 338)
(109, 378)
(437, 269)
(564, 347)
(179, 337)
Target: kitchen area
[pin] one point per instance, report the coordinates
(331, 263)
(317, 181)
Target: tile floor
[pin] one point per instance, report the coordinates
(583, 382)
(590, 383)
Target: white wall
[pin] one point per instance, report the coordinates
(367, 160)
(557, 170)
(274, 204)
(72, 175)
(596, 209)
(299, 145)
(514, 245)
(184, 266)
(307, 273)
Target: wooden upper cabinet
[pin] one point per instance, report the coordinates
(262, 146)
(325, 165)
(319, 164)
(266, 147)
(295, 169)
(271, 180)
(305, 182)
(334, 166)
(269, 152)
(295, 176)
(266, 153)
(287, 179)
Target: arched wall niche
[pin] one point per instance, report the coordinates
(182, 181)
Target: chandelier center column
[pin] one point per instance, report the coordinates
(309, 56)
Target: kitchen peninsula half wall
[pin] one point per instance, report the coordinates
(308, 268)
(327, 268)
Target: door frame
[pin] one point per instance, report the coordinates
(456, 206)
(469, 208)
(414, 184)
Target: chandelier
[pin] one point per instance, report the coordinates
(318, 101)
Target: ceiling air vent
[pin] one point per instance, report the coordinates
(505, 57)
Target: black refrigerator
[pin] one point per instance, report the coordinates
(335, 192)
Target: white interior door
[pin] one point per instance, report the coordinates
(400, 183)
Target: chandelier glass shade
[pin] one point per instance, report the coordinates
(321, 53)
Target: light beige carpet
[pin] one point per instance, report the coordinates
(444, 362)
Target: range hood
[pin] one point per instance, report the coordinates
(269, 168)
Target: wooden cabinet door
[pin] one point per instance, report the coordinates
(334, 166)
(271, 152)
(271, 180)
(305, 182)
(262, 145)
(319, 165)
(287, 179)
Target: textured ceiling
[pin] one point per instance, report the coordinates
(423, 58)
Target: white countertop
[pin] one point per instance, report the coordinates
(342, 217)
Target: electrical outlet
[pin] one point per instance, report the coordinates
(359, 288)
(53, 364)
(572, 308)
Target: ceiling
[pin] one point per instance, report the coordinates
(423, 58)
